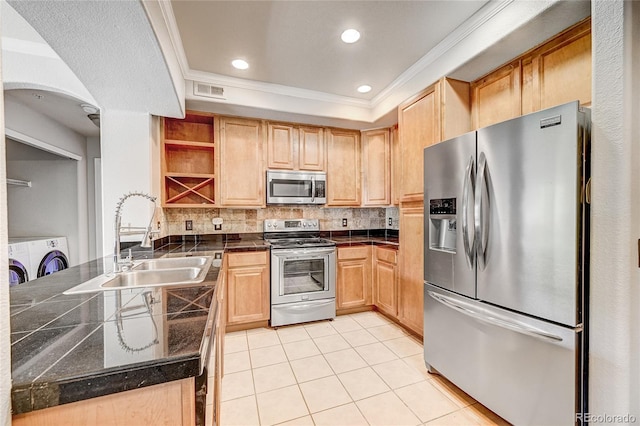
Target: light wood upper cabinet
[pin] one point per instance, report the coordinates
(354, 287)
(440, 112)
(556, 72)
(242, 174)
(311, 148)
(396, 166)
(248, 295)
(418, 127)
(292, 147)
(282, 141)
(559, 71)
(343, 167)
(376, 168)
(496, 97)
(411, 278)
(384, 280)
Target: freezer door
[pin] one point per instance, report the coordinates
(449, 175)
(528, 214)
(525, 370)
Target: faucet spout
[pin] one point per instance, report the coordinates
(118, 263)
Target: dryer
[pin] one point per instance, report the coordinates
(19, 262)
(48, 255)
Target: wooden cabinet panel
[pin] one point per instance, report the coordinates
(171, 403)
(241, 163)
(418, 127)
(376, 168)
(354, 287)
(559, 71)
(343, 168)
(497, 96)
(396, 167)
(384, 281)
(411, 277)
(281, 143)
(311, 148)
(292, 147)
(455, 110)
(247, 293)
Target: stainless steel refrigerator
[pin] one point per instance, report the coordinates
(506, 264)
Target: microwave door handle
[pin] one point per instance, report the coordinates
(313, 189)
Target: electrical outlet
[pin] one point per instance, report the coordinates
(188, 225)
(344, 222)
(390, 222)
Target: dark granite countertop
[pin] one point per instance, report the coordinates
(386, 237)
(67, 348)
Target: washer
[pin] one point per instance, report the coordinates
(19, 262)
(48, 255)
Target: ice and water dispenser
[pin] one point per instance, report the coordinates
(442, 224)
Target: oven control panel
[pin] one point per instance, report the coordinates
(291, 225)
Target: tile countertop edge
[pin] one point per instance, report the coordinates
(36, 395)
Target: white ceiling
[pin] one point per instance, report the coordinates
(297, 43)
(127, 55)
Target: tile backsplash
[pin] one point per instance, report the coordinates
(172, 220)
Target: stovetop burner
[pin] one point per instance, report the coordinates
(294, 233)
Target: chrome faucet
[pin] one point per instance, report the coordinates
(120, 264)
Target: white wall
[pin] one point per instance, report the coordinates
(126, 166)
(22, 119)
(615, 298)
(94, 228)
(5, 329)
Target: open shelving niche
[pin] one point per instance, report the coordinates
(188, 161)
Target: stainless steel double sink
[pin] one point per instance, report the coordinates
(161, 272)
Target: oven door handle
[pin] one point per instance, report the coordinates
(302, 253)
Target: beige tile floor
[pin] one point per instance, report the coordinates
(358, 369)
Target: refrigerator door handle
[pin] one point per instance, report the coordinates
(498, 322)
(468, 182)
(481, 226)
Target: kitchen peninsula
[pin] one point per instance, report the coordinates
(141, 352)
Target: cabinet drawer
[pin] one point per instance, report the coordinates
(360, 252)
(247, 259)
(386, 254)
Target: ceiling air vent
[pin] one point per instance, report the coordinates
(208, 90)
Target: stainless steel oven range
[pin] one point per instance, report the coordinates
(303, 272)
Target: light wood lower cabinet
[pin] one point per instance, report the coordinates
(354, 288)
(171, 403)
(384, 280)
(411, 278)
(248, 297)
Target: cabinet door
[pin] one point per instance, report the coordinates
(241, 163)
(311, 149)
(419, 127)
(384, 281)
(281, 145)
(496, 97)
(559, 71)
(343, 168)
(248, 297)
(410, 282)
(376, 168)
(396, 167)
(353, 287)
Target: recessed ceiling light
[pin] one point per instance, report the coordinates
(240, 64)
(350, 36)
(89, 109)
(364, 88)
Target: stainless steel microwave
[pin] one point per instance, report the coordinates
(289, 187)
